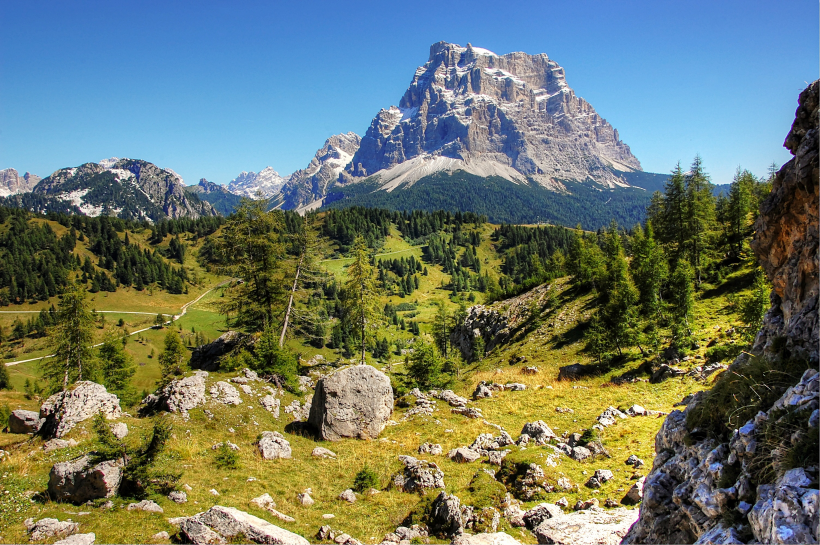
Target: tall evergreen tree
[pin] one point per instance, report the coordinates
(682, 302)
(700, 209)
(72, 337)
(250, 252)
(673, 226)
(361, 293)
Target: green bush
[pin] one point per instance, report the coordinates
(226, 458)
(365, 480)
(269, 359)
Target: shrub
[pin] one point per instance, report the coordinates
(365, 480)
(272, 360)
(226, 458)
(740, 393)
(140, 476)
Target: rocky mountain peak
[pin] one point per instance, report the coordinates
(248, 184)
(126, 188)
(510, 115)
(11, 183)
(307, 187)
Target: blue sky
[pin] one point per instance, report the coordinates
(213, 88)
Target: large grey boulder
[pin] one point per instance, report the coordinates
(21, 421)
(418, 475)
(179, 396)
(589, 527)
(64, 410)
(219, 524)
(273, 444)
(445, 516)
(494, 538)
(355, 402)
(77, 481)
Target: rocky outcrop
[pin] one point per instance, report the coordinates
(355, 402)
(786, 242)
(207, 356)
(78, 481)
(496, 323)
(220, 524)
(179, 396)
(702, 490)
(21, 421)
(418, 475)
(64, 410)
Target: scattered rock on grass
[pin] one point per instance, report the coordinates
(273, 445)
(57, 444)
(224, 393)
(178, 496)
(463, 455)
(321, 452)
(418, 475)
(430, 448)
(77, 481)
(538, 432)
(270, 404)
(348, 496)
(445, 516)
(78, 539)
(354, 402)
(145, 505)
(179, 396)
(587, 527)
(227, 523)
(49, 528)
(540, 513)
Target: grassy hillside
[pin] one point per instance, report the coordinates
(550, 340)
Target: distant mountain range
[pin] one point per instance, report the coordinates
(503, 135)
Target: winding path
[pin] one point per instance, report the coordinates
(174, 318)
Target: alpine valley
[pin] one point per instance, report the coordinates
(500, 135)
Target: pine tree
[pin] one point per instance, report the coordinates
(72, 335)
(172, 358)
(673, 226)
(700, 209)
(424, 365)
(361, 289)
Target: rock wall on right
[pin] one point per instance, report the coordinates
(702, 490)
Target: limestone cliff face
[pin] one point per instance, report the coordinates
(702, 491)
(509, 115)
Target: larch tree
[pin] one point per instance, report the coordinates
(700, 209)
(251, 252)
(73, 337)
(362, 310)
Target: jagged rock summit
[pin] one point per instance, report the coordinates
(267, 181)
(510, 115)
(11, 183)
(305, 188)
(125, 188)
